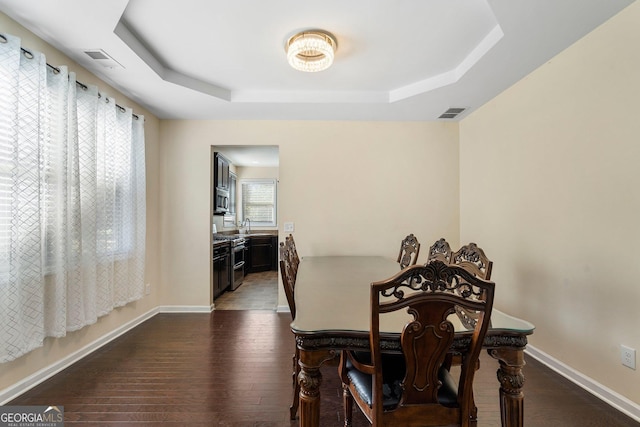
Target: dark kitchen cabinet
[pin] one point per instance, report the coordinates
(221, 184)
(263, 252)
(221, 172)
(221, 269)
(247, 256)
(261, 248)
(275, 254)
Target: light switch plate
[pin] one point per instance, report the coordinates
(288, 227)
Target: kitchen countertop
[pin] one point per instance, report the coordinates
(258, 234)
(252, 234)
(248, 236)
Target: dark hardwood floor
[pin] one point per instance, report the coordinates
(233, 368)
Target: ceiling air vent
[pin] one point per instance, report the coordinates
(451, 113)
(101, 57)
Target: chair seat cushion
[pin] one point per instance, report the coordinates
(393, 372)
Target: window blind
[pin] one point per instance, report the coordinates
(259, 201)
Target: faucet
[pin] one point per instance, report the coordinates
(247, 224)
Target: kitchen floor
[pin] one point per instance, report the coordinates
(259, 291)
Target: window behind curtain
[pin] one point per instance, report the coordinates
(259, 202)
(72, 202)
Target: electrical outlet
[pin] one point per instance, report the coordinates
(628, 356)
(147, 288)
(288, 227)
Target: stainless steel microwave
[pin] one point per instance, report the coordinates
(221, 201)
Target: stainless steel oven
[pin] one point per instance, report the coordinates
(237, 258)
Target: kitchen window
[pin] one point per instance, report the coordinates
(259, 202)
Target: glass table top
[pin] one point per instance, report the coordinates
(332, 293)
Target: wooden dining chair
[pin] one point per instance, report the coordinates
(288, 282)
(412, 388)
(409, 250)
(473, 259)
(440, 251)
(293, 255)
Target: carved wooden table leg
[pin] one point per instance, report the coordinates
(310, 379)
(511, 381)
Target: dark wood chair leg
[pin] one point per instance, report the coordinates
(293, 409)
(347, 405)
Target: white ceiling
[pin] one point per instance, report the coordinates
(258, 156)
(396, 60)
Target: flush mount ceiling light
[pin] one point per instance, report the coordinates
(311, 51)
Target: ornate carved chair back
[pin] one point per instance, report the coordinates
(474, 259)
(440, 251)
(400, 389)
(293, 255)
(409, 250)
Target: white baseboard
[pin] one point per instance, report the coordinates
(605, 394)
(283, 309)
(185, 308)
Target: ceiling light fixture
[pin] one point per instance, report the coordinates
(311, 51)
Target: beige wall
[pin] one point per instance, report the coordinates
(550, 187)
(55, 350)
(349, 187)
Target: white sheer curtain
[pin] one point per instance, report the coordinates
(72, 202)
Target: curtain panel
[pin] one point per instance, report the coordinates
(72, 202)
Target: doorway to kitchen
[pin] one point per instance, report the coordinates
(258, 289)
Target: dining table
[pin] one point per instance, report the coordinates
(332, 297)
